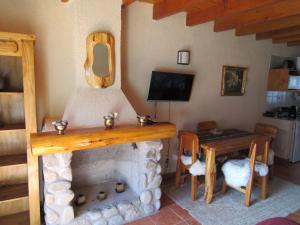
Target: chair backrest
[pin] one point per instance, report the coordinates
(206, 126)
(252, 155)
(266, 129)
(188, 141)
(262, 148)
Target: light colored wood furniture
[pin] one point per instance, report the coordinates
(188, 143)
(278, 80)
(100, 80)
(248, 189)
(216, 148)
(88, 138)
(270, 131)
(19, 179)
(206, 126)
(259, 151)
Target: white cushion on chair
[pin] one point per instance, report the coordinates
(237, 172)
(186, 160)
(271, 157)
(198, 168)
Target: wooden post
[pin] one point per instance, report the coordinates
(210, 175)
(31, 126)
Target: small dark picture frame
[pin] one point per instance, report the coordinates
(183, 57)
(234, 80)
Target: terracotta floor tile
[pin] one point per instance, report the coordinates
(297, 212)
(294, 217)
(166, 201)
(192, 221)
(182, 213)
(166, 217)
(144, 221)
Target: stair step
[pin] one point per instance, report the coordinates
(15, 219)
(11, 192)
(10, 160)
(13, 199)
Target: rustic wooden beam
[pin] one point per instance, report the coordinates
(169, 7)
(278, 24)
(293, 43)
(88, 138)
(286, 39)
(269, 12)
(227, 8)
(278, 33)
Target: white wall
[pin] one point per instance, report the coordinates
(61, 30)
(153, 45)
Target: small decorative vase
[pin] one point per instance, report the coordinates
(102, 195)
(120, 187)
(80, 200)
(109, 120)
(60, 126)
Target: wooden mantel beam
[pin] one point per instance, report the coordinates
(128, 2)
(278, 9)
(88, 138)
(228, 8)
(269, 26)
(166, 8)
(278, 33)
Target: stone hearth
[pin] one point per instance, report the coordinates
(142, 197)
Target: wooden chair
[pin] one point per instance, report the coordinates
(188, 142)
(257, 149)
(270, 131)
(206, 126)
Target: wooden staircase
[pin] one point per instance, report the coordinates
(17, 120)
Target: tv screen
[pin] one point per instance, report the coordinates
(170, 86)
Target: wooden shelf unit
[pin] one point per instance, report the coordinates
(19, 179)
(88, 138)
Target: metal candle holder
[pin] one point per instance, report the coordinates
(60, 126)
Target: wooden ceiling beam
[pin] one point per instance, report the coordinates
(229, 7)
(167, 8)
(276, 10)
(278, 33)
(286, 39)
(293, 43)
(278, 24)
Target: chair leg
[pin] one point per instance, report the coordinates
(194, 187)
(271, 172)
(224, 187)
(178, 173)
(248, 192)
(264, 187)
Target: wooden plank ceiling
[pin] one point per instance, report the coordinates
(278, 20)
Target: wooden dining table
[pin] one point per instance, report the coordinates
(229, 141)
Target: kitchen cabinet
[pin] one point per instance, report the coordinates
(278, 80)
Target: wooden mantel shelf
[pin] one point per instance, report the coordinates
(87, 138)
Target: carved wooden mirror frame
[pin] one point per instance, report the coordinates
(92, 79)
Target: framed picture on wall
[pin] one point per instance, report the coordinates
(233, 80)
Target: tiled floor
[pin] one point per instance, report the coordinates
(173, 214)
(169, 214)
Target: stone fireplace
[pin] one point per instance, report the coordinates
(68, 174)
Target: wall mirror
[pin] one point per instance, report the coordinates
(100, 62)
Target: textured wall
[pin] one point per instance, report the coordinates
(61, 30)
(152, 45)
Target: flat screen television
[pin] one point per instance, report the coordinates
(170, 86)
